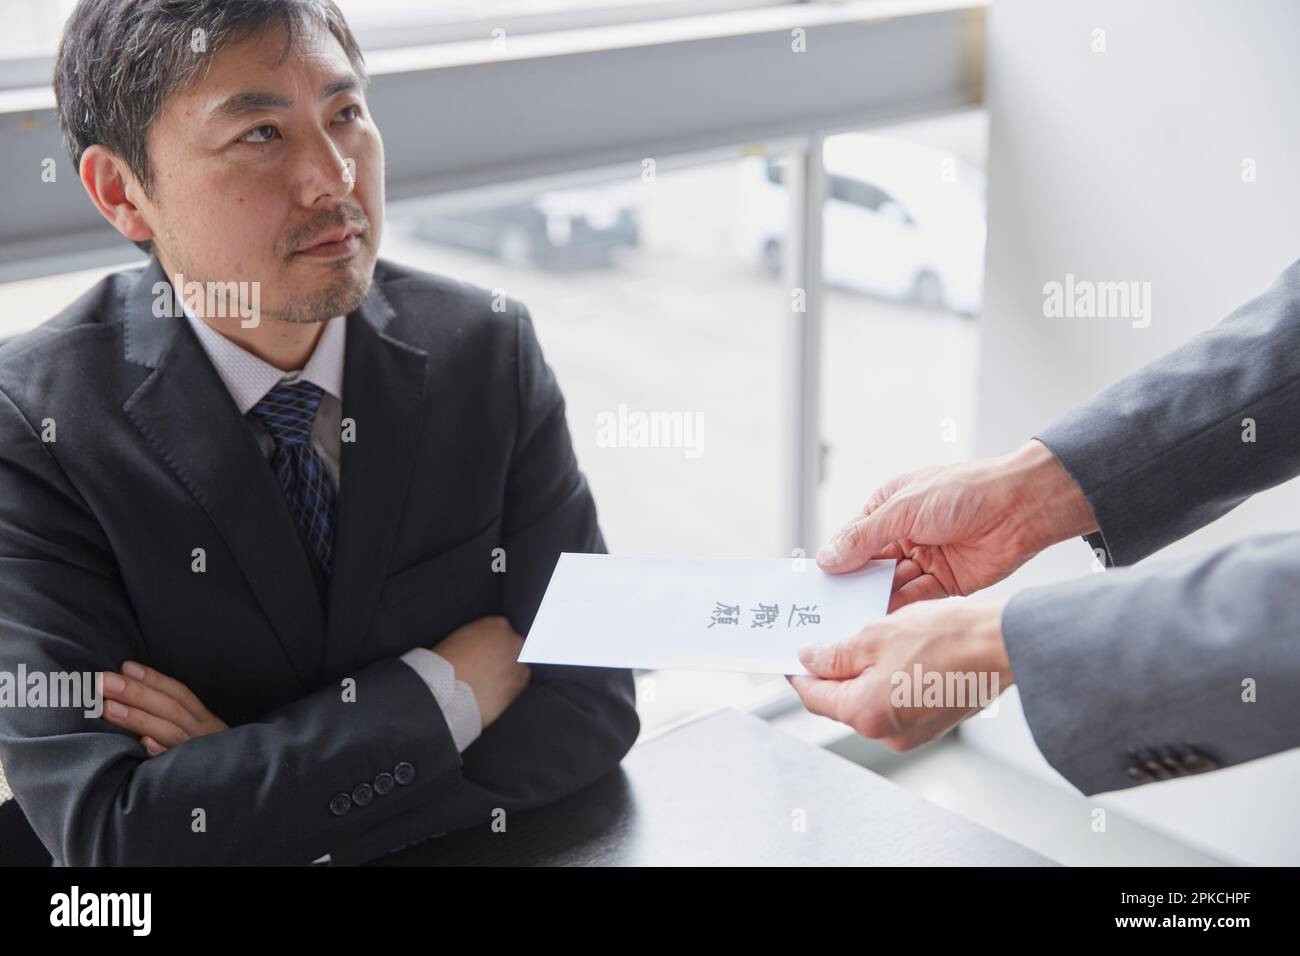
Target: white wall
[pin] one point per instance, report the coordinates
(1127, 165)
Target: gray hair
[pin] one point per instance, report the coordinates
(119, 60)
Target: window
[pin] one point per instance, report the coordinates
(649, 298)
(899, 338)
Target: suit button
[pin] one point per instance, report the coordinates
(384, 784)
(1195, 762)
(340, 804)
(1144, 769)
(362, 794)
(1138, 774)
(1157, 769)
(1170, 762)
(404, 773)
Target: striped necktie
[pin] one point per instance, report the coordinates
(289, 412)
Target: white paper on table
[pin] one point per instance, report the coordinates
(604, 610)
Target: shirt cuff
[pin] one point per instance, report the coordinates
(455, 698)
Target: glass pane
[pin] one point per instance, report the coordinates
(904, 273)
(651, 300)
(665, 331)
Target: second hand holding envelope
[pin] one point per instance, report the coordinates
(714, 614)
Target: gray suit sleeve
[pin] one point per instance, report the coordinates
(1167, 668)
(1138, 672)
(1189, 437)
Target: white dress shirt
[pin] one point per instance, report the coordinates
(248, 379)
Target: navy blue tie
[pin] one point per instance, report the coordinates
(289, 412)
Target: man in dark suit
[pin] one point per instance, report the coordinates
(297, 526)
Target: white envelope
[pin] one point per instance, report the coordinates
(716, 614)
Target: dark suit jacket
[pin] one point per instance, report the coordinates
(461, 447)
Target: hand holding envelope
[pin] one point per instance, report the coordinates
(952, 531)
(955, 530)
(722, 614)
(931, 534)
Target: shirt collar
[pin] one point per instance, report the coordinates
(248, 378)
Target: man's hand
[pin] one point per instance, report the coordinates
(957, 529)
(162, 711)
(485, 655)
(870, 681)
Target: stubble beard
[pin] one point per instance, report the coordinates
(342, 295)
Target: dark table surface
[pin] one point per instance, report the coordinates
(729, 789)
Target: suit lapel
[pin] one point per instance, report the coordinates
(384, 381)
(186, 413)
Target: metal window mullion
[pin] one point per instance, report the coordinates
(803, 272)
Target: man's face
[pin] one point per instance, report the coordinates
(256, 162)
